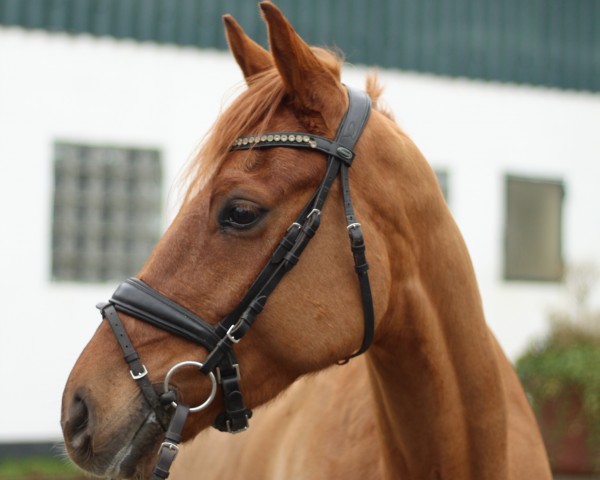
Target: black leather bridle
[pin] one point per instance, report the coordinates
(139, 300)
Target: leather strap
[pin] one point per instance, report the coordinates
(361, 267)
(234, 418)
(170, 447)
(350, 131)
(137, 369)
(353, 123)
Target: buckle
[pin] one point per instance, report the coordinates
(314, 211)
(357, 241)
(142, 374)
(236, 367)
(239, 430)
(169, 446)
(230, 331)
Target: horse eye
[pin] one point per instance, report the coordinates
(241, 215)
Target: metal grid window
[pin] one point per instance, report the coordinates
(533, 237)
(107, 203)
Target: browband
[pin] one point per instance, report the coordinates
(295, 140)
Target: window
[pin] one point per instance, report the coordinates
(533, 236)
(106, 211)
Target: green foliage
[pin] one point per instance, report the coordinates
(42, 467)
(565, 364)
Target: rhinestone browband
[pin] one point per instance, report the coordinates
(274, 137)
(293, 139)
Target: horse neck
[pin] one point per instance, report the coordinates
(436, 377)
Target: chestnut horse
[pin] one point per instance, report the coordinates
(433, 398)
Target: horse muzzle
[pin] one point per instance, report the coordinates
(112, 448)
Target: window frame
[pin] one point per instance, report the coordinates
(106, 212)
(554, 273)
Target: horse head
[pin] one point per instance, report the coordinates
(239, 204)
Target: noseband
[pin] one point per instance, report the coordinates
(139, 300)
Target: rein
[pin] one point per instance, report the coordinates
(139, 300)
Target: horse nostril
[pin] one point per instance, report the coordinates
(78, 419)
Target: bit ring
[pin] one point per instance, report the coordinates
(213, 381)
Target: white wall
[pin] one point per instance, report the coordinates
(55, 87)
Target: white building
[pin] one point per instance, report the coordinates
(60, 89)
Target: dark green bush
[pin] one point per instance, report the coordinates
(562, 366)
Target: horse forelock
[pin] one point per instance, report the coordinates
(253, 111)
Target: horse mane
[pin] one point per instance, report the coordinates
(374, 89)
(252, 111)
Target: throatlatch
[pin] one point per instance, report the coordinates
(139, 300)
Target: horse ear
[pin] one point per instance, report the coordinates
(249, 55)
(309, 81)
